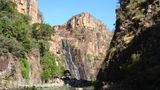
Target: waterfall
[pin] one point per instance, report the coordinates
(70, 59)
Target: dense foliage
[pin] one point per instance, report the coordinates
(41, 31)
(14, 28)
(52, 66)
(11, 45)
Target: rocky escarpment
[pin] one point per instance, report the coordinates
(133, 61)
(82, 48)
(11, 70)
(5, 66)
(82, 42)
(85, 21)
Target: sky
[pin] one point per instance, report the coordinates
(57, 12)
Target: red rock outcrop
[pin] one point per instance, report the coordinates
(85, 21)
(88, 37)
(29, 7)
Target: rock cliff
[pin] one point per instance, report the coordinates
(82, 42)
(10, 72)
(85, 21)
(133, 61)
(29, 7)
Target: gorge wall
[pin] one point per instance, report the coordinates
(82, 42)
(133, 59)
(10, 72)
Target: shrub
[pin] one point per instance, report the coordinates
(43, 47)
(7, 5)
(135, 57)
(15, 26)
(51, 66)
(24, 68)
(11, 45)
(41, 31)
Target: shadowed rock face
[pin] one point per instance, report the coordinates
(88, 41)
(133, 61)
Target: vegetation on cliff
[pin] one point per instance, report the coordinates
(52, 67)
(24, 68)
(14, 28)
(18, 37)
(51, 64)
(41, 31)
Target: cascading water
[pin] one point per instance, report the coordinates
(70, 60)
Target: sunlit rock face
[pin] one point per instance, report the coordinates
(133, 59)
(29, 7)
(85, 21)
(82, 42)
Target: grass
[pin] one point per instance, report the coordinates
(24, 66)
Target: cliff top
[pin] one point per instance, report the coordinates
(85, 20)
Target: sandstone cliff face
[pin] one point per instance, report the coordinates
(10, 72)
(88, 39)
(35, 67)
(85, 20)
(29, 7)
(5, 66)
(133, 61)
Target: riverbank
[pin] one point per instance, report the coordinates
(56, 84)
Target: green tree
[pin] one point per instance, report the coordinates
(11, 45)
(7, 6)
(41, 31)
(51, 66)
(15, 25)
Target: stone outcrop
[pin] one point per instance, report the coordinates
(5, 66)
(88, 39)
(85, 21)
(35, 67)
(10, 70)
(133, 61)
(29, 7)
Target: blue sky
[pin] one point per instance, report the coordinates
(57, 12)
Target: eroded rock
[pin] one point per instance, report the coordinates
(89, 40)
